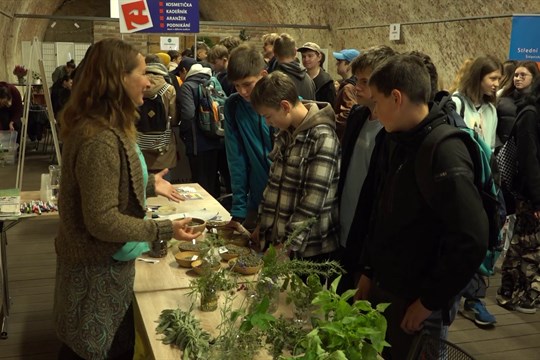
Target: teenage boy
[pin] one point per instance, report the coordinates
(361, 131)
(305, 170)
(418, 257)
(285, 52)
(218, 56)
(268, 51)
(247, 137)
(346, 94)
(176, 57)
(313, 60)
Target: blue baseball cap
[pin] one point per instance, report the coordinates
(346, 54)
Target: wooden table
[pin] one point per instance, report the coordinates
(150, 305)
(166, 275)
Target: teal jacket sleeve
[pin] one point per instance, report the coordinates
(237, 160)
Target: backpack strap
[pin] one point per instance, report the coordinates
(424, 158)
(163, 89)
(462, 100)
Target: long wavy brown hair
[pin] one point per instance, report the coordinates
(98, 99)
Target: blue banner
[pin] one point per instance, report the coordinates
(525, 39)
(159, 16)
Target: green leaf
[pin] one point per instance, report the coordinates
(235, 315)
(262, 321)
(340, 355)
(335, 284)
(382, 307)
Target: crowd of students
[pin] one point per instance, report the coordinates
(298, 146)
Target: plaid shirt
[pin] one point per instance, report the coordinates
(303, 184)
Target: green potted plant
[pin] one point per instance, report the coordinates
(343, 331)
(208, 285)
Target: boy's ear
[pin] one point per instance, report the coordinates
(263, 73)
(397, 97)
(286, 106)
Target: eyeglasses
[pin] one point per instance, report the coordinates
(521, 75)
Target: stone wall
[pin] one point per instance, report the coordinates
(447, 42)
(15, 30)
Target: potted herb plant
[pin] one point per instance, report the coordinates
(343, 331)
(208, 285)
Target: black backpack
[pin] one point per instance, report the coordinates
(153, 127)
(486, 177)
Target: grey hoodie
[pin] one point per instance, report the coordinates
(304, 85)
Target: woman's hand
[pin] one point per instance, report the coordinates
(164, 188)
(180, 231)
(537, 215)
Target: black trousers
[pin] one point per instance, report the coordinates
(204, 170)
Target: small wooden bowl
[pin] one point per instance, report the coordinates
(237, 239)
(196, 225)
(215, 224)
(184, 258)
(244, 270)
(189, 246)
(199, 269)
(238, 250)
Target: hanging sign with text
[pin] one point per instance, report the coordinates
(159, 16)
(524, 41)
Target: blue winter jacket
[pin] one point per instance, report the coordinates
(248, 143)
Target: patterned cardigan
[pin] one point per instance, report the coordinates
(303, 184)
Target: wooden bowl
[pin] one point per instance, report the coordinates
(214, 224)
(196, 225)
(235, 252)
(237, 239)
(199, 269)
(244, 270)
(189, 246)
(185, 258)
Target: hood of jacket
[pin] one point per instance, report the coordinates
(157, 68)
(197, 69)
(293, 68)
(156, 83)
(318, 113)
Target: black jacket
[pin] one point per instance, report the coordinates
(528, 144)
(506, 115)
(304, 85)
(415, 251)
(324, 87)
(359, 227)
